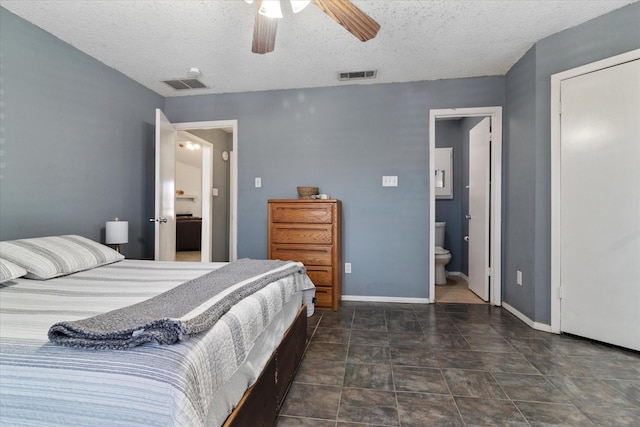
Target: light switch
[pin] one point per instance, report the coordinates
(389, 181)
(258, 182)
(519, 277)
(439, 178)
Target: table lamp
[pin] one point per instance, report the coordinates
(117, 233)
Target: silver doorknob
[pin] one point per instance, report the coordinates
(161, 220)
(467, 216)
(466, 238)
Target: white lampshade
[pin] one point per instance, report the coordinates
(117, 232)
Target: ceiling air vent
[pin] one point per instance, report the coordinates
(357, 75)
(183, 84)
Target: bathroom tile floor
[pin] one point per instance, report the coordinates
(457, 290)
(387, 364)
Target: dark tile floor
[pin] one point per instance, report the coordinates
(455, 365)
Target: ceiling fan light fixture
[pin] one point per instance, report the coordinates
(298, 5)
(270, 8)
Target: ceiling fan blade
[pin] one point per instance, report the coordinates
(350, 17)
(264, 32)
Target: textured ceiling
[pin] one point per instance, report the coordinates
(151, 41)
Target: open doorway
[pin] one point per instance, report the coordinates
(489, 223)
(165, 192)
(218, 220)
(194, 164)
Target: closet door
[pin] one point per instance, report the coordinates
(600, 205)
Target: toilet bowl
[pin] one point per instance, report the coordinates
(442, 256)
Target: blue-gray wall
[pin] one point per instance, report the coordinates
(343, 140)
(77, 150)
(77, 141)
(519, 183)
(527, 196)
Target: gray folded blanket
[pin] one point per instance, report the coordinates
(169, 317)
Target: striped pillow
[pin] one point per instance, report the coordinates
(9, 270)
(53, 256)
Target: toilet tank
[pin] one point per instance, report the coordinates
(440, 226)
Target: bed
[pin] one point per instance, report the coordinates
(212, 378)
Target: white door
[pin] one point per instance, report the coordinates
(479, 187)
(165, 220)
(600, 205)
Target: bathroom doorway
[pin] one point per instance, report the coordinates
(486, 262)
(195, 174)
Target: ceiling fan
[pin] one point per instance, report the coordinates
(343, 12)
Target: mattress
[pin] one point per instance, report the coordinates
(181, 384)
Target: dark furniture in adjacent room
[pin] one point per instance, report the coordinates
(188, 233)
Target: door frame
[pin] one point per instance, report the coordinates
(556, 232)
(495, 237)
(233, 175)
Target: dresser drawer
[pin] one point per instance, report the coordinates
(324, 297)
(310, 232)
(320, 276)
(306, 254)
(310, 213)
(301, 233)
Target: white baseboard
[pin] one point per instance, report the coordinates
(535, 325)
(385, 299)
(458, 274)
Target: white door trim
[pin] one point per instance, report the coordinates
(556, 80)
(496, 193)
(233, 178)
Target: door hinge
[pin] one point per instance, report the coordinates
(560, 292)
(489, 272)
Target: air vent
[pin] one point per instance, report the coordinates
(358, 75)
(183, 84)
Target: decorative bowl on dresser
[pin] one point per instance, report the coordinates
(310, 231)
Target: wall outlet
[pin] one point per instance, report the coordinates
(519, 277)
(389, 181)
(347, 267)
(258, 182)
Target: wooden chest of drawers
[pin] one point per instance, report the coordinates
(310, 231)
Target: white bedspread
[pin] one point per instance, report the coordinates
(45, 384)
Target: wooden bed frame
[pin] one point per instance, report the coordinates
(261, 402)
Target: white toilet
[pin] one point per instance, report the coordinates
(442, 256)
